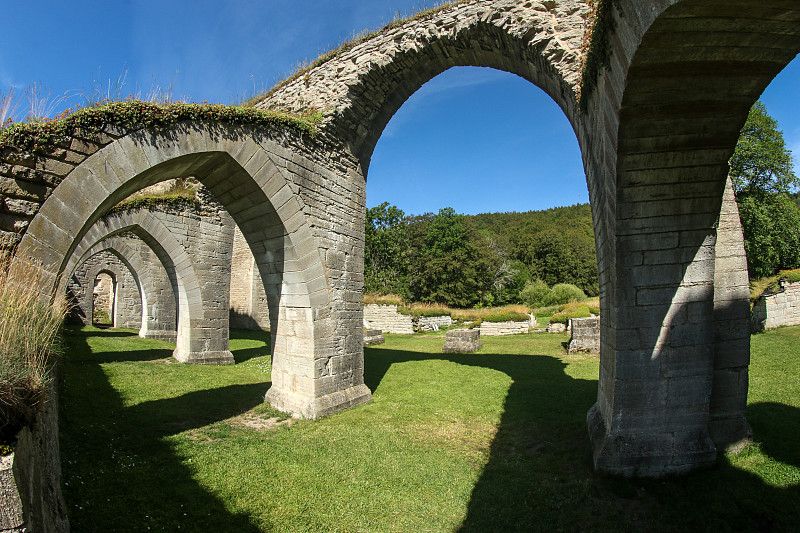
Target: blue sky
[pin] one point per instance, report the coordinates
(475, 139)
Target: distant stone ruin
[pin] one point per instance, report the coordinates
(779, 307)
(585, 335)
(462, 341)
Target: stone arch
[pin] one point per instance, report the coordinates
(115, 276)
(199, 338)
(668, 110)
(540, 42)
(259, 183)
(157, 289)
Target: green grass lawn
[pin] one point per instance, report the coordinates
(495, 441)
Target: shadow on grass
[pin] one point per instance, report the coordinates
(539, 475)
(245, 354)
(120, 472)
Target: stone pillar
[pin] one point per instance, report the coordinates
(206, 234)
(657, 354)
(159, 302)
(727, 424)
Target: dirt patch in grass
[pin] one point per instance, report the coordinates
(260, 422)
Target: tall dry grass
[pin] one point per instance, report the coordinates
(29, 341)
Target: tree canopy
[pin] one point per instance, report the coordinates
(761, 163)
(762, 172)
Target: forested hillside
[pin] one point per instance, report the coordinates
(486, 259)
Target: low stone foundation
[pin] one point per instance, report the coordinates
(778, 308)
(585, 335)
(373, 337)
(462, 341)
(386, 318)
(505, 328)
(433, 323)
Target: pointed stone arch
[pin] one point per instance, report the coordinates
(682, 77)
(255, 180)
(158, 291)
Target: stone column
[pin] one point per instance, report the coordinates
(657, 354)
(727, 424)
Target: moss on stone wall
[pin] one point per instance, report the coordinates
(596, 46)
(349, 45)
(132, 115)
(174, 199)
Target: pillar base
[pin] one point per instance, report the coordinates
(648, 454)
(730, 433)
(306, 407)
(224, 357)
(162, 335)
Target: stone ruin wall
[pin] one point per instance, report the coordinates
(504, 328)
(433, 323)
(128, 309)
(248, 305)
(781, 308)
(387, 319)
(585, 335)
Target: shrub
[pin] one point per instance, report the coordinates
(535, 293)
(29, 339)
(564, 293)
(572, 310)
(507, 317)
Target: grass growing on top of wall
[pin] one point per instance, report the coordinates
(365, 35)
(772, 283)
(132, 115)
(495, 441)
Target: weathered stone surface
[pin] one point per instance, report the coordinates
(373, 337)
(585, 335)
(655, 134)
(778, 308)
(505, 328)
(462, 341)
(11, 518)
(386, 318)
(432, 323)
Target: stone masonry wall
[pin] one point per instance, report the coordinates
(128, 308)
(433, 323)
(781, 308)
(30, 490)
(504, 328)
(248, 305)
(387, 319)
(585, 335)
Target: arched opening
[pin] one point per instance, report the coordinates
(104, 299)
(479, 140)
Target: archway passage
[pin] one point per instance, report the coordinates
(673, 378)
(103, 297)
(655, 136)
(266, 189)
(192, 261)
(158, 288)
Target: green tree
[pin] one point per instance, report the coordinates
(761, 162)
(448, 263)
(386, 258)
(761, 170)
(771, 227)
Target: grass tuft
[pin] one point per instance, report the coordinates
(29, 340)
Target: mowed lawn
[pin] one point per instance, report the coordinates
(494, 441)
